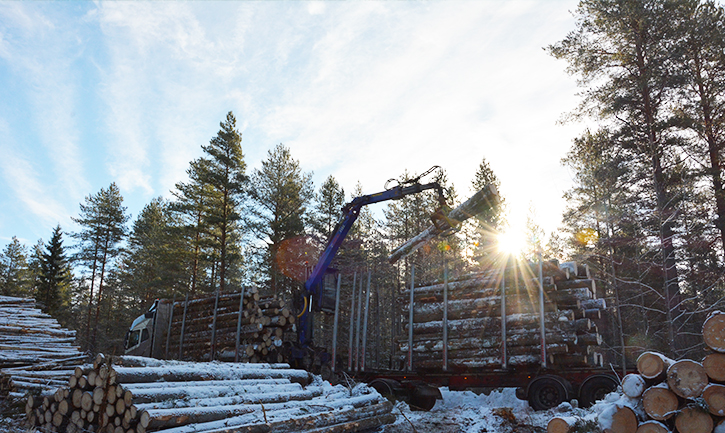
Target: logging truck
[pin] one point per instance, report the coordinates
(498, 328)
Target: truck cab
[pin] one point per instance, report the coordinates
(148, 330)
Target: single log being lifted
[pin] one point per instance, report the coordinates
(484, 199)
(692, 419)
(687, 378)
(713, 331)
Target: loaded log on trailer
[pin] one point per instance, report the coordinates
(484, 330)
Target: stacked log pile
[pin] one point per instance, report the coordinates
(34, 349)
(667, 395)
(263, 325)
(475, 327)
(139, 395)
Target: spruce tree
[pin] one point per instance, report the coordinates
(53, 289)
(328, 208)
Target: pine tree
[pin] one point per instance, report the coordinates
(53, 289)
(280, 194)
(702, 106)
(223, 172)
(103, 227)
(626, 53)
(14, 279)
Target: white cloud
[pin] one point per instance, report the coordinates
(21, 178)
(43, 60)
(394, 87)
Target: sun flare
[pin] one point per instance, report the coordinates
(511, 242)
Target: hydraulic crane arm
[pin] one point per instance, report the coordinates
(350, 212)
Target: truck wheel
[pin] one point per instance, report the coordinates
(595, 388)
(424, 397)
(388, 388)
(547, 392)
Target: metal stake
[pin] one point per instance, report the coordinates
(351, 329)
(239, 325)
(541, 312)
(168, 330)
(334, 326)
(410, 318)
(504, 355)
(365, 325)
(445, 316)
(183, 325)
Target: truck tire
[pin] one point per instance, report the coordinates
(423, 397)
(546, 392)
(595, 388)
(388, 388)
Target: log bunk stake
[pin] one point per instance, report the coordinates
(36, 353)
(486, 331)
(139, 395)
(684, 395)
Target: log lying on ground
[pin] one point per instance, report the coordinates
(653, 365)
(563, 424)
(714, 365)
(659, 402)
(713, 331)
(201, 397)
(32, 340)
(692, 419)
(687, 378)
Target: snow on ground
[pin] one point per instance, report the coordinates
(467, 412)
(458, 412)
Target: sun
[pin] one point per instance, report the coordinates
(511, 242)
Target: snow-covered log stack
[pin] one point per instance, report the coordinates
(263, 325)
(475, 326)
(667, 395)
(144, 395)
(34, 348)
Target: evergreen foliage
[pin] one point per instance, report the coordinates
(54, 280)
(14, 278)
(103, 227)
(278, 215)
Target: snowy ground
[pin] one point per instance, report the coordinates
(458, 412)
(466, 412)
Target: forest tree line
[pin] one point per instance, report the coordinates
(646, 213)
(223, 228)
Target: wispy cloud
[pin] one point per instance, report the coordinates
(42, 57)
(20, 177)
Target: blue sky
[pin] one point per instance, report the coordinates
(127, 92)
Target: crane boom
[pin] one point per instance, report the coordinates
(350, 212)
